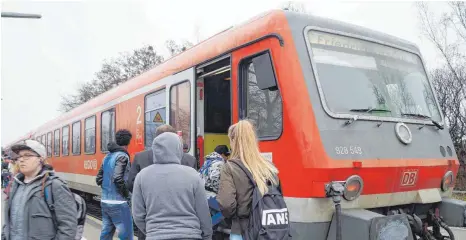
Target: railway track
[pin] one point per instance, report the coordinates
(93, 210)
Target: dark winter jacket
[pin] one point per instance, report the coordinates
(119, 169)
(27, 212)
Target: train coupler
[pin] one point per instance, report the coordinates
(430, 228)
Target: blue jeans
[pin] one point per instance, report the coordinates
(116, 217)
(236, 237)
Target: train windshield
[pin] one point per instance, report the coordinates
(366, 78)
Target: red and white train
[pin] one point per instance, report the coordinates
(332, 102)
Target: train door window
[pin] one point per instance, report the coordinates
(107, 131)
(89, 135)
(43, 140)
(262, 106)
(56, 145)
(49, 144)
(76, 138)
(65, 138)
(180, 111)
(155, 105)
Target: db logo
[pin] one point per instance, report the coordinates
(409, 178)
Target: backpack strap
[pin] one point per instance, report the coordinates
(47, 193)
(251, 178)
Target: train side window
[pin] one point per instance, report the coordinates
(65, 141)
(43, 141)
(261, 102)
(155, 105)
(56, 146)
(180, 111)
(107, 130)
(49, 144)
(38, 138)
(76, 138)
(89, 135)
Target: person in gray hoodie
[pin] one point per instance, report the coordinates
(169, 200)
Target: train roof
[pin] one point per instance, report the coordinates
(217, 45)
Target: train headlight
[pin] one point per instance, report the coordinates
(353, 187)
(403, 133)
(447, 181)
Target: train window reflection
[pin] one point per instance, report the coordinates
(107, 129)
(56, 146)
(89, 135)
(49, 144)
(263, 107)
(65, 141)
(358, 74)
(76, 138)
(155, 105)
(180, 111)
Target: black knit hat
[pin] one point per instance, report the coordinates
(222, 149)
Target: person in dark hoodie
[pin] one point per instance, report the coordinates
(27, 214)
(115, 197)
(169, 200)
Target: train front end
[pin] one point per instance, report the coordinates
(383, 152)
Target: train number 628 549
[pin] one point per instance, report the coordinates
(344, 150)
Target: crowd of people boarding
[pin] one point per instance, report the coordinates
(161, 191)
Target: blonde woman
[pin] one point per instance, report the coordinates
(235, 190)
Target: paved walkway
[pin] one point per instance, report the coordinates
(93, 227)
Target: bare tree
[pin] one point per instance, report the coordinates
(113, 73)
(176, 48)
(448, 34)
(117, 71)
(294, 6)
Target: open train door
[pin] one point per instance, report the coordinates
(181, 113)
(255, 91)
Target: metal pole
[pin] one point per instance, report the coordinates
(20, 15)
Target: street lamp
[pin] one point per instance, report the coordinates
(20, 15)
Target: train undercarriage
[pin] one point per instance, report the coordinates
(410, 221)
(415, 221)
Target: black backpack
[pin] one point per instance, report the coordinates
(269, 217)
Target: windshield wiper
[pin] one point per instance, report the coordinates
(368, 110)
(364, 110)
(418, 115)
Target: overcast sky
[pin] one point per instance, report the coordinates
(44, 59)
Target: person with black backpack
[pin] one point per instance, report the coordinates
(249, 192)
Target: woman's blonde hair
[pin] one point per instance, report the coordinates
(244, 146)
(14, 168)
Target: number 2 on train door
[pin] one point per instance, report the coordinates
(138, 126)
(139, 111)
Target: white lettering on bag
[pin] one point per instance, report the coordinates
(275, 217)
